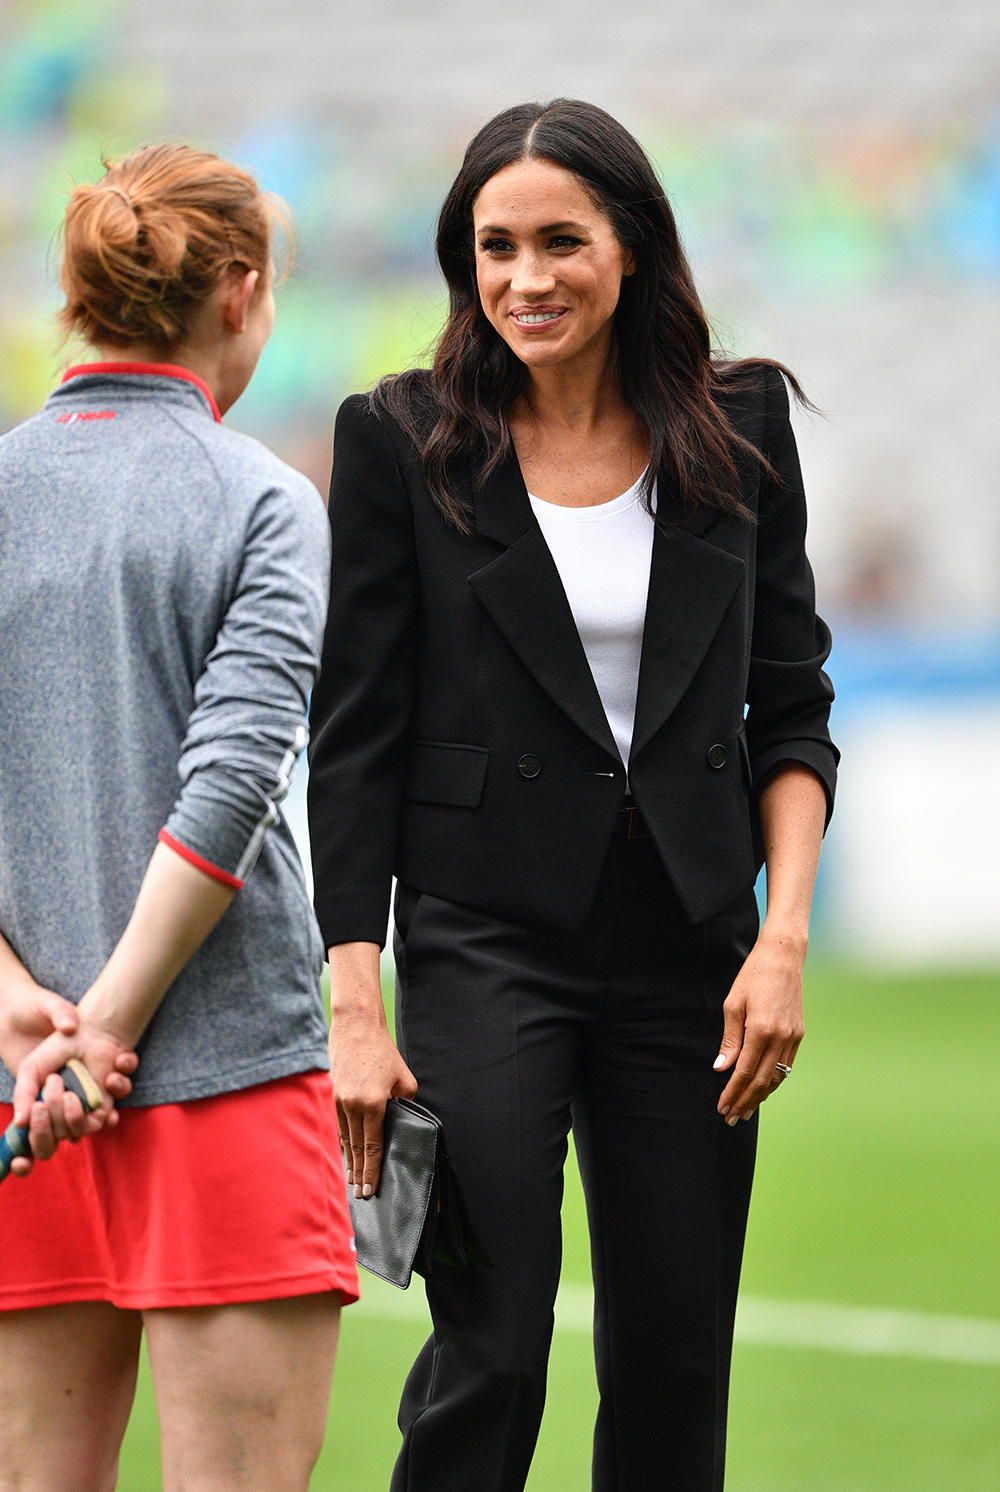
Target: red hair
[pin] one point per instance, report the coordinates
(145, 246)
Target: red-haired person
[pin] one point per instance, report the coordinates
(162, 597)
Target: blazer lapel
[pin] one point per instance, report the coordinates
(691, 584)
(523, 594)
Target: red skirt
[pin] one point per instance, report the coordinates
(235, 1198)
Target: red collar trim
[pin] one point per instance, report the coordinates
(155, 370)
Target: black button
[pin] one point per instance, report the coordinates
(529, 765)
(717, 756)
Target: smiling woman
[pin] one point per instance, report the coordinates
(551, 289)
(582, 188)
(571, 696)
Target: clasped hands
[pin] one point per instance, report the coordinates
(39, 1033)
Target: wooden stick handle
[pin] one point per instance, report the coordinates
(79, 1081)
(76, 1079)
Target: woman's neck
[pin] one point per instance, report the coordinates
(577, 441)
(181, 355)
(209, 358)
(578, 396)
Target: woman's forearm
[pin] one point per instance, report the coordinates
(355, 982)
(792, 816)
(763, 1010)
(176, 909)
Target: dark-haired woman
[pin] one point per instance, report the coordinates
(571, 696)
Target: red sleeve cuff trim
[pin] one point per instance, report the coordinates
(205, 865)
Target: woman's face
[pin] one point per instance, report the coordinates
(548, 265)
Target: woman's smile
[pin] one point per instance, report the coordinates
(537, 318)
(548, 265)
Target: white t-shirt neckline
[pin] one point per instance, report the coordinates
(596, 511)
(603, 555)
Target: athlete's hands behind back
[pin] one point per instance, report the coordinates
(31, 1016)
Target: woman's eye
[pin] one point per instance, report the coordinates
(564, 241)
(496, 246)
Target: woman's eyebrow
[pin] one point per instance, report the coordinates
(545, 228)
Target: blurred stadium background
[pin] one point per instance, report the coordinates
(836, 170)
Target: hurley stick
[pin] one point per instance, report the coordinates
(14, 1140)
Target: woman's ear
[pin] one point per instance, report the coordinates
(237, 301)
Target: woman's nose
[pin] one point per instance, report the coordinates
(531, 276)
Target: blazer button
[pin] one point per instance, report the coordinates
(529, 765)
(717, 756)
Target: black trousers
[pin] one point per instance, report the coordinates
(513, 1035)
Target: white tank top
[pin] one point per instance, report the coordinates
(603, 556)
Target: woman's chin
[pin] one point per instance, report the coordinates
(537, 353)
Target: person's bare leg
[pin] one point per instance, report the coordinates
(242, 1392)
(67, 1381)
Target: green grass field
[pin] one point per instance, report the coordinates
(877, 1186)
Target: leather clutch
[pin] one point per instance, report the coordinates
(417, 1218)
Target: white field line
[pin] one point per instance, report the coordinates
(767, 1323)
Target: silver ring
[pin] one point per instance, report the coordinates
(782, 1068)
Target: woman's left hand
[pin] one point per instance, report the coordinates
(31, 1018)
(763, 1024)
(105, 1055)
(29, 1013)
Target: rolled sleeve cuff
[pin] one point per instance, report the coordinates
(353, 919)
(817, 755)
(199, 861)
(224, 816)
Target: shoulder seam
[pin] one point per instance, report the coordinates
(193, 436)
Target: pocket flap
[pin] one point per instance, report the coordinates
(443, 772)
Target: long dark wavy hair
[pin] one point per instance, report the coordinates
(456, 414)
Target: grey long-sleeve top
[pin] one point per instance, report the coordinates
(163, 589)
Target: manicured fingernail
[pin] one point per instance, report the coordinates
(357, 1194)
(724, 1111)
(750, 1115)
(368, 1189)
(734, 1120)
(350, 1178)
(720, 1061)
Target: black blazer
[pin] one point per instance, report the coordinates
(458, 739)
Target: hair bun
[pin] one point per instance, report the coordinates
(145, 247)
(121, 193)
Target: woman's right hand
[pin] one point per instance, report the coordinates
(108, 1059)
(365, 1064)
(31, 1016)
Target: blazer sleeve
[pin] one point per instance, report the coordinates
(361, 707)
(788, 693)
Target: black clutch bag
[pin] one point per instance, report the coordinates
(417, 1218)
